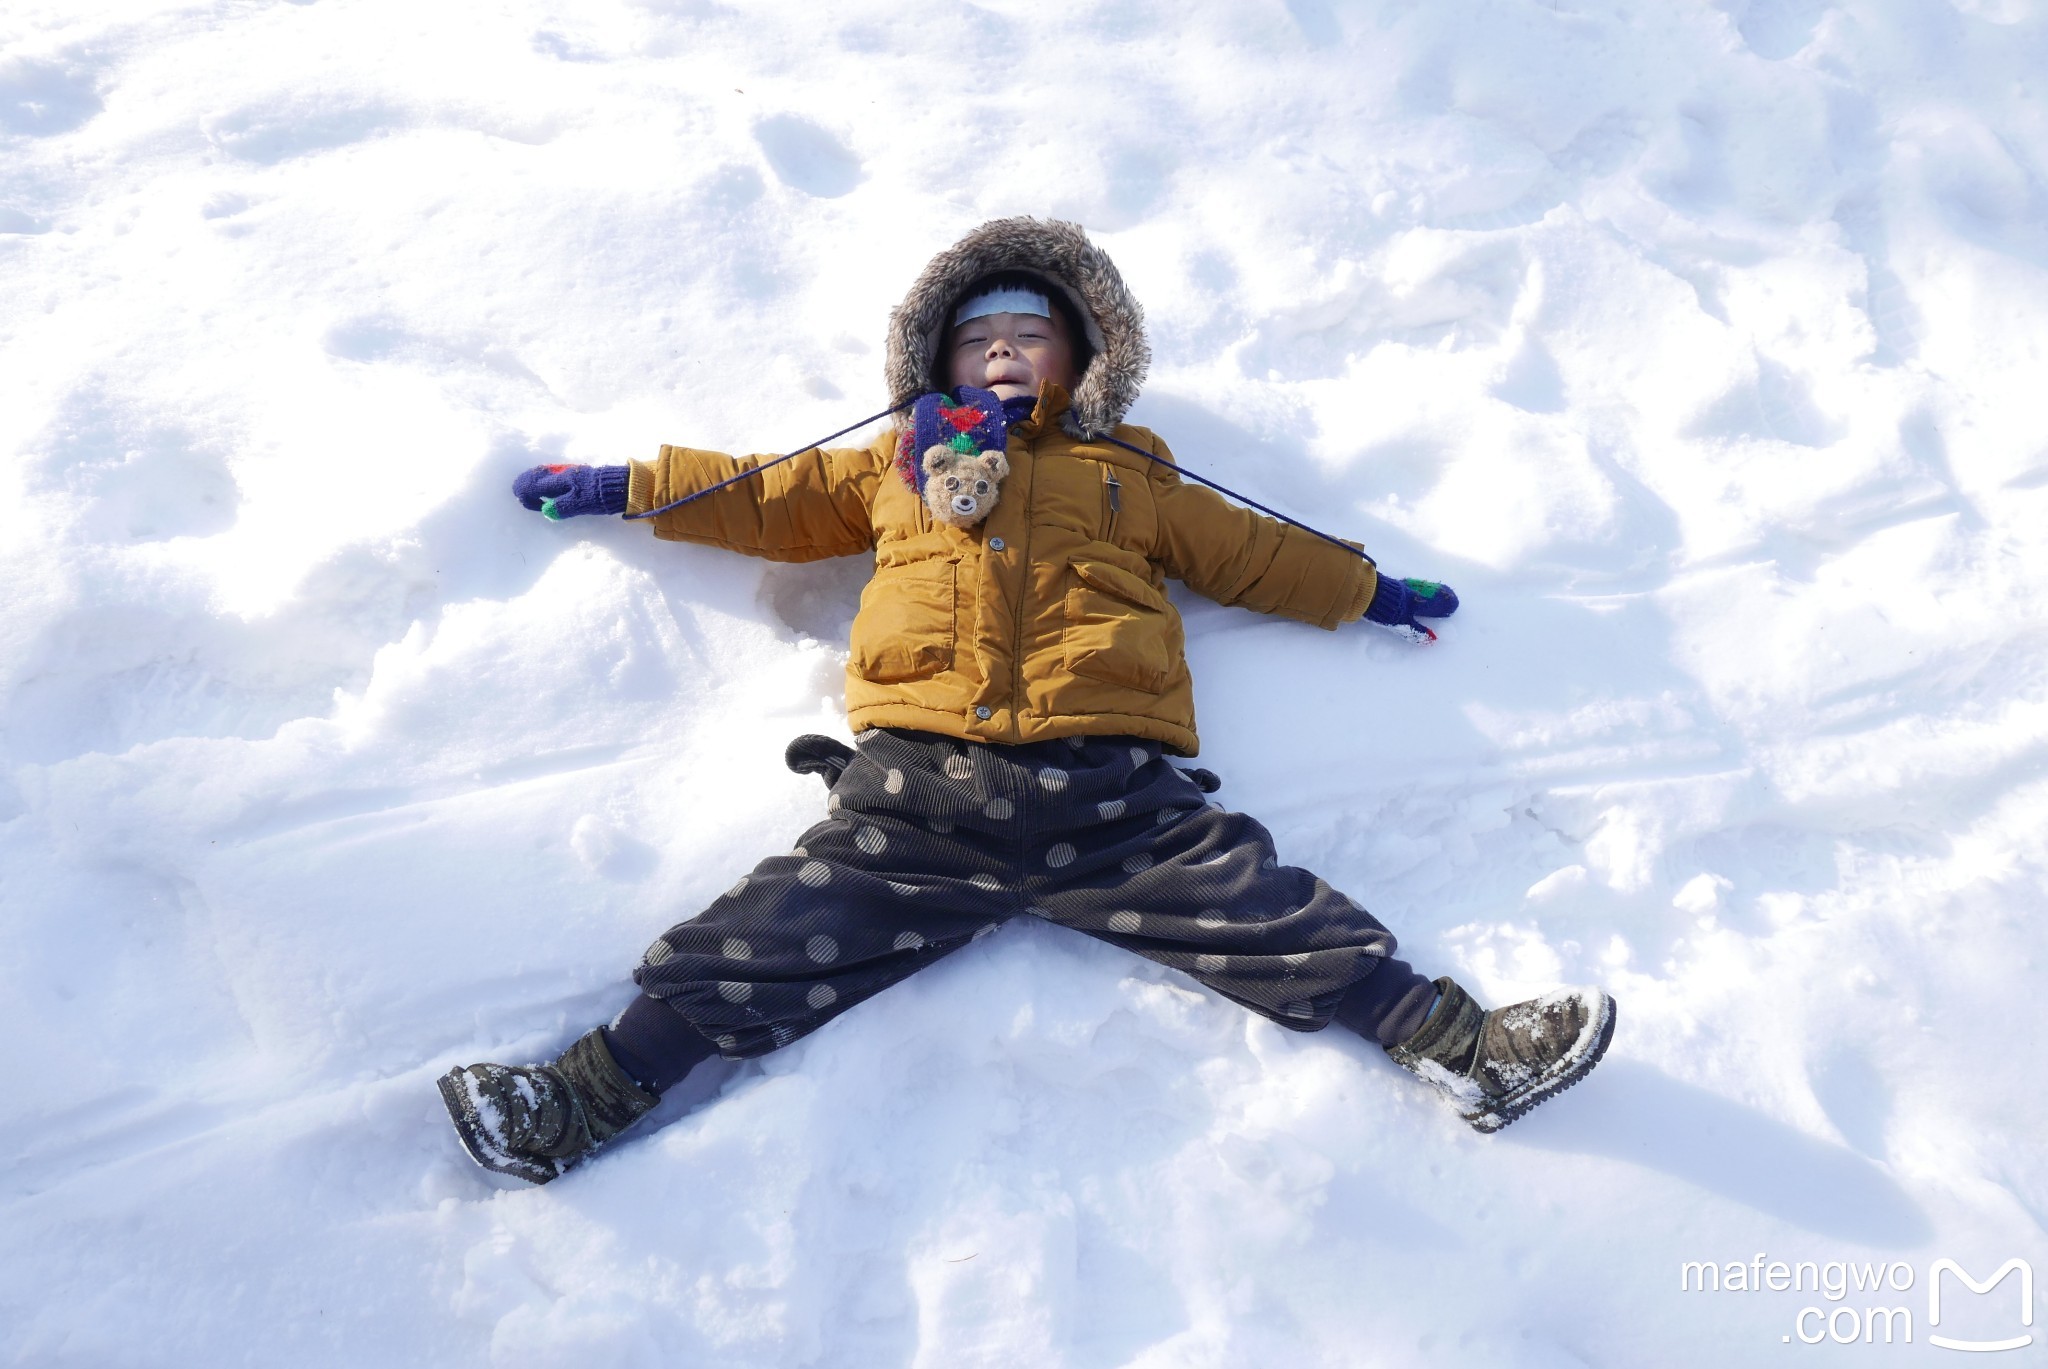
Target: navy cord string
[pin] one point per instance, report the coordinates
(786, 456)
(1102, 437)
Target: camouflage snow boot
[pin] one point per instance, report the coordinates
(1495, 1066)
(534, 1121)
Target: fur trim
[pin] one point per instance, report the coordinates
(1061, 253)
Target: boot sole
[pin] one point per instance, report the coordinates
(1561, 1076)
(465, 1110)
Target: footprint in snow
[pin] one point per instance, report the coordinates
(41, 98)
(807, 157)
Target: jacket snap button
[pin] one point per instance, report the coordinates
(982, 712)
(995, 544)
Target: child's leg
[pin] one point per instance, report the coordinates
(656, 1044)
(910, 867)
(1194, 886)
(1200, 889)
(870, 896)
(1388, 1005)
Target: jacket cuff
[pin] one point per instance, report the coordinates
(639, 487)
(1361, 598)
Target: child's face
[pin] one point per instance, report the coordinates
(1010, 354)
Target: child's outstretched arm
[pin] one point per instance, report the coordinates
(805, 509)
(1238, 556)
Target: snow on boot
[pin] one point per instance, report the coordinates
(534, 1121)
(1495, 1066)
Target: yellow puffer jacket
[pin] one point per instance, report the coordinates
(1050, 619)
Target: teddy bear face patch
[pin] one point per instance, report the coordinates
(959, 489)
(951, 453)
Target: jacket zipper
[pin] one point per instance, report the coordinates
(1017, 634)
(1115, 488)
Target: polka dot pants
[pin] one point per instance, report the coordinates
(931, 842)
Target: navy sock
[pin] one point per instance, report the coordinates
(655, 1044)
(1389, 1005)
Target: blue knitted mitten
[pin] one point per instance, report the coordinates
(1398, 604)
(564, 491)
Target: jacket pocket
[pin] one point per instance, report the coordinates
(1119, 629)
(904, 630)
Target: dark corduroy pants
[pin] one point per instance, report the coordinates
(931, 842)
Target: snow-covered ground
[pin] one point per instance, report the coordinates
(1698, 345)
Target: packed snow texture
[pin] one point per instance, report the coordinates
(1691, 342)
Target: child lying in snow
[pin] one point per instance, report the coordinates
(1017, 677)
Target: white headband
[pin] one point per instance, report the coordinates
(1008, 299)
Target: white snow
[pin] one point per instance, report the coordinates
(1698, 345)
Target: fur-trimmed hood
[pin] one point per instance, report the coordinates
(1061, 253)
